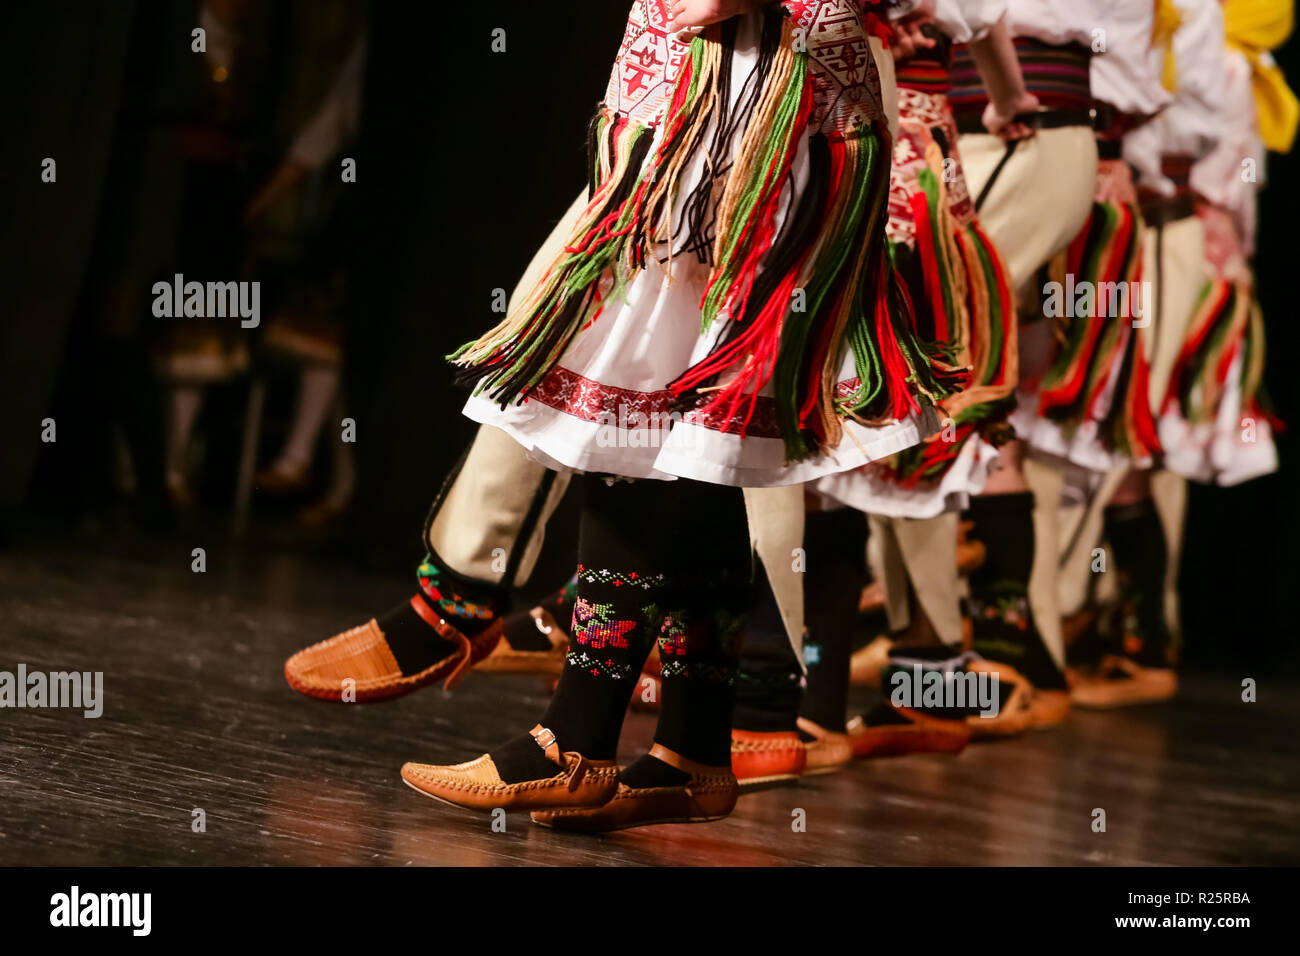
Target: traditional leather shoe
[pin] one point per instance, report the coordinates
(1120, 682)
(759, 757)
(827, 752)
(1048, 708)
(872, 598)
(907, 732)
(1015, 710)
(866, 664)
(477, 785)
(362, 654)
(505, 658)
(709, 794)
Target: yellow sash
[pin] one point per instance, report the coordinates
(1254, 27)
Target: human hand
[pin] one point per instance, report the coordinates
(697, 14)
(908, 38)
(999, 118)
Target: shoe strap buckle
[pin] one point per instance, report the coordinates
(544, 737)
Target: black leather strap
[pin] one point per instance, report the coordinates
(997, 171)
(1041, 119)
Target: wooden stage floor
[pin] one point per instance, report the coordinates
(197, 716)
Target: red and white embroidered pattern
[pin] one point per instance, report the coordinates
(846, 83)
(585, 398)
(919, 114)
(648, 62)
(574, 394)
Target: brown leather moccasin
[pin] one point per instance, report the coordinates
(362, 655)
(1016, 713)
(762, 757)
(709, 794)
(827, 752)
(508, 659)
(1121, 682)
(916, 732)
(1049, 708)
(477, 785)
(865, 665)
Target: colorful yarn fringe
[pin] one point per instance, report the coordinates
(1101, 356)
(1227, 322)
(630, 189)
(967, 305)
(830, 246)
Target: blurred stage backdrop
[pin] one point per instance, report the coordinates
(225, 164)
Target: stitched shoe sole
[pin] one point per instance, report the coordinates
(631, 825)
(896, 741)
(747, 783)
(460, 806)
(629, 809)
(1154, 687)
(443, 784)
(374, 692)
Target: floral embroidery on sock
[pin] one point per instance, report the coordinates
(1012, 610)
(619, 578)
(599, 667)
(594, 626)
(679, 643)
(452, 604)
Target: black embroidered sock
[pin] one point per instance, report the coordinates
(469, 606)
(1141, 557)
(415, 645)
(1002, 624)
(769, 682)
(524, 632)
(697, 650)
(709, 595)
(836, 547)
(648, 771)
(617, 613)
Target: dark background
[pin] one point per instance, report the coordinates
(465, 159)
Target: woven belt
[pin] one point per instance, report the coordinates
(1110, 149)
(1160, 210)
(1042, 119)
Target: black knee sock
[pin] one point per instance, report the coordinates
(769, 683)
(466, 606)
(1141, 557)
(415, 645)
(836, 546)
(709, 597)
(1002, 624)
(617, 613)
(469, 606)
